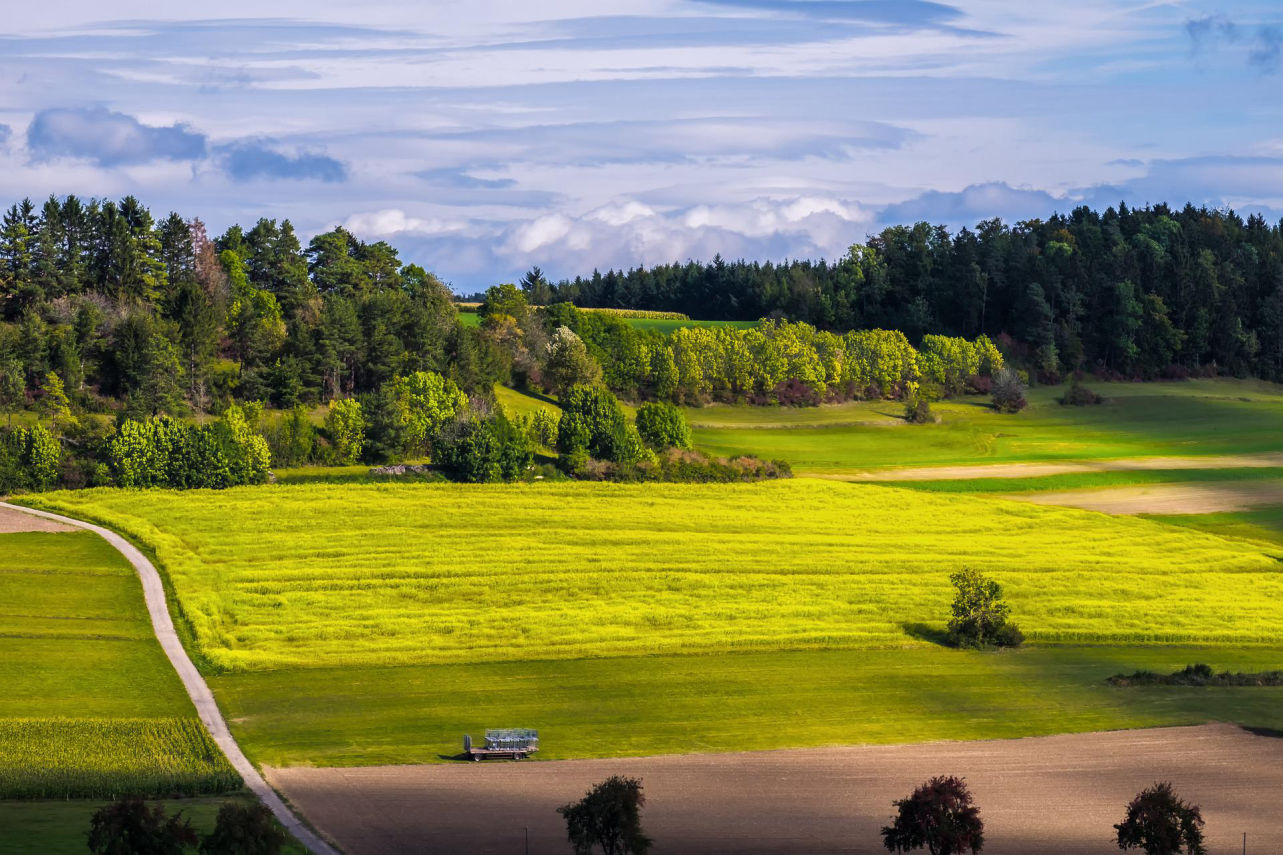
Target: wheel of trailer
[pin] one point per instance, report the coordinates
(476, 758)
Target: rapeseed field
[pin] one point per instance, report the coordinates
(320, 575)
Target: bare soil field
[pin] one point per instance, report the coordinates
(12, 522)
(1202, 498)
(1058, 794)
(1069, 467)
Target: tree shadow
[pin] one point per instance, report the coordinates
(1271, 732)
(926, 632)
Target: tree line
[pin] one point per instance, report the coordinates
(1141, 293)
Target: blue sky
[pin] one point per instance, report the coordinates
(481, 137)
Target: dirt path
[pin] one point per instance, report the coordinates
(197, 689)
(1068, 467)
(1059, 794)
(13, 522)
(1165, 498)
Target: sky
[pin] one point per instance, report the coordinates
(481, 137)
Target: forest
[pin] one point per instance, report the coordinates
(1138, 293)
(150, 327)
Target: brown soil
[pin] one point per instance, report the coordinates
(1068, 467)
(12, 521)
(1165, 498)
(1059, 794)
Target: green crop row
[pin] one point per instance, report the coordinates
(104, 758)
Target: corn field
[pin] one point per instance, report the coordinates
(57, 758)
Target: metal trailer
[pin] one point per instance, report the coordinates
(503, 744)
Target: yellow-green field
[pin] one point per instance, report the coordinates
(321, 575)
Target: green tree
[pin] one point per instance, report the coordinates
(54, 404)
(244, 829)
(1008, 392)
(485, 449)
(1161, 824)
(609, 817)
(131, 827)
(427, 402)
(662, 426)
(980, 616)
(940, 816)
(41, 456)
(593, 423)
(13, 387)
(568, 363)
(345, 429)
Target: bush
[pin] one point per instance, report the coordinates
(130, 826)
(485, 449)
(663, 426)
(1079, 395)
(542, 428)
(1008, 392)
(163, 452)
(980, 617)
(244, 830)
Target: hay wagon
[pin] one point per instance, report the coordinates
(503, 744)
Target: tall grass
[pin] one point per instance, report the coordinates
(320, 575)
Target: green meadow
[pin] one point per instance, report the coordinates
(1137, 420)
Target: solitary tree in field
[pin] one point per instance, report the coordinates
(1161, 824)
(131, 827)
(247, 829)
(980, 617)
(939, 817)
(609, 816)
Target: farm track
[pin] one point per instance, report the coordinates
(1038, 796)
(197, 689)
(1068, 467)
(1207, 498)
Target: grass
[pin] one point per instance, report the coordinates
(90, 705)
(1137, 420)
(60, 827)
(316, 576)
(1264, 525)
(1089, 480)
(747, 701)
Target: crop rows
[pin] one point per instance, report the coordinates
(104, 758)
(396, 574)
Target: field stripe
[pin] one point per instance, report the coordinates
(197, 689)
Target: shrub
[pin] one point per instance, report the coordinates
(980, 617)
(543, 428)
(795, 393)
(1008, 392)
(163, 452)
(917, 405)
(480, 449)
(130, 826)
(1079, 395)
(663, 426)
(244, 830)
